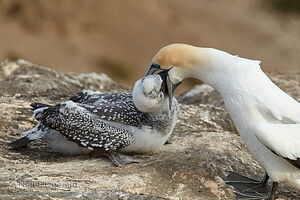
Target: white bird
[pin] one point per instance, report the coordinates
(109, 122)
(267, 119)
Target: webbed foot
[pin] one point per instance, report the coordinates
(249, 188)
(245, 184)
(250, 196)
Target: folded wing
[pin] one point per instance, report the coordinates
(85, 128)
(282, 139)
(115, 107)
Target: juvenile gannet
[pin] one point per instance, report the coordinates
(267, 119)
(109, 122)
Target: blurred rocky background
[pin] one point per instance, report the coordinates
(120, 37)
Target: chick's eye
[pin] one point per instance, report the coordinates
(161, 95)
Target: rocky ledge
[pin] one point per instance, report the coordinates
(204, 145)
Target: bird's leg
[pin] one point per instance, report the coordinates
(247, 185)
(120, 160)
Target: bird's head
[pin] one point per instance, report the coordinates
(182, 61)
(212, 66)
(150, 93)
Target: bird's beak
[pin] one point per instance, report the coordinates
(153, 68)
(171, 89)
(164, 74)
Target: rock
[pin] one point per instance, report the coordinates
(289, 82)
(202, 94)
(204, 146)
(27, 79)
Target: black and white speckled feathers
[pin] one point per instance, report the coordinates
(116, 107)
(95, 120)
(107, 121)
(85, 128)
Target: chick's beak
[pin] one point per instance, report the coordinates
(167, 86)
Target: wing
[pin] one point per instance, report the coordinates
(282, 132)
(276, 105)
(282, 139)
(86, 95)
(117, 107)
(96, 97)
(84, 128)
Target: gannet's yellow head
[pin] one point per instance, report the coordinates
(210, 65)
(183, 61)
(180, 55)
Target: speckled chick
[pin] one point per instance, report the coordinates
(140, 121)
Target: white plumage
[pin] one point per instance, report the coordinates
(267, 119)
(281, 138)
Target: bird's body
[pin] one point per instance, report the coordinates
(108, 122)
(267, 119)
(258, 107)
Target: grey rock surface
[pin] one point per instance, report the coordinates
(202, 94)
(204, 146)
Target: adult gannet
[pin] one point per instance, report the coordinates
(109, 122)
(267, 119)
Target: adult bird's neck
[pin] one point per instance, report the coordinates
(232, 73)
(244, 87)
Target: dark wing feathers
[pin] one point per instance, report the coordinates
(116, 107)
(296, 163)
(94, 97)
(81, 97)
(119, 113)
(85, 129)
(22, 142)
(36, 105)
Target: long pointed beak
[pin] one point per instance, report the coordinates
(153, 68)
(171, 90)
(165, 77)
